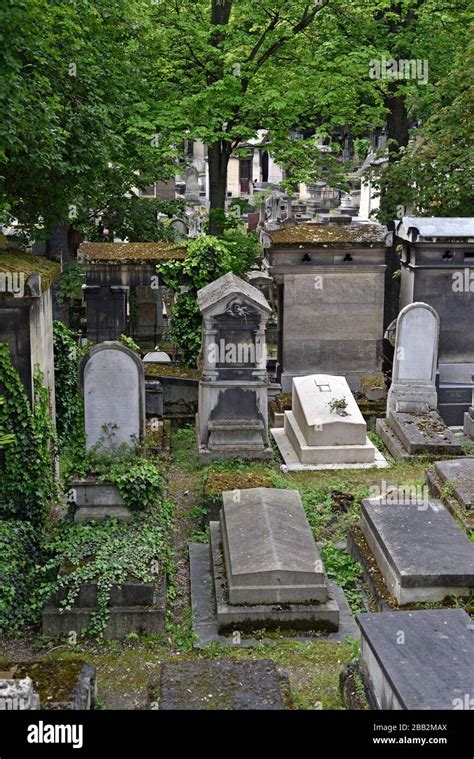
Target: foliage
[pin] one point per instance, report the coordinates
(139, 480)
(5, 438)
(337, 405)
(130, 343)
(28, 484)
(435, 173)
(108, 553)
(18, 555)
(135, 219)
(69, 405)
(79, 86)
(346, 572)
(208, 258)
(71, 281)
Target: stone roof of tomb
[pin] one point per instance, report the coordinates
(131, 252)
(321, 234)
(16, 261)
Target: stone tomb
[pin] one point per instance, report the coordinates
(317, 434)
(135, 607)
(418, 660)
(419, 548)
(453, 481)
(220, 685)
(96, 501)
(266, 566)
(413, 425)
(113, 384)
(68, 684)
(233, 393)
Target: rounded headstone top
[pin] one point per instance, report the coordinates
(156, 357)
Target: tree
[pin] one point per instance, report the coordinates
(79, 96)
(435, 173)
(223, 77)
(135, 219)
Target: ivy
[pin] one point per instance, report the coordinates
(28, 484)
(18, 555)
(69, 406)
(5, 438)
(108, 553)
(207, 259)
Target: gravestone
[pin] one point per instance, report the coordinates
(419, 548)
(223, 685)
(267, 569)
(63, 684)
(233, 392)
(413, 386)
(113, 386)
(413, 425)
(156, 357)
(192, 185)
(325, 428)
(418, 660)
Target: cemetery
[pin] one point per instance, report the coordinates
(236, 362)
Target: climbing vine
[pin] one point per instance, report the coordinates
(69, 409)
(207, 259)
(28, 484)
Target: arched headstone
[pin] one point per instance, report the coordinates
(415, 360)
(113, 384)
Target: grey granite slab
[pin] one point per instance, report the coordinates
(459, 473)
(419, 659)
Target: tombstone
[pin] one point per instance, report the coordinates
(455, 386)
(113, 385)
(418, 660)
(325, 428)
(17, 695)
(469, 420)
(180, 227)
(413, 425)
(420, 550)
(413, 386)
(267, 569)
(192, 185)
(232, 408)
(156, 357)
(222, 685)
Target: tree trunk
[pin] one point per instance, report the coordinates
(218, 158)
(397, 121)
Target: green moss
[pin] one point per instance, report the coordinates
(27, 264)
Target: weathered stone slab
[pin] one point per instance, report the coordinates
(62, 684)
(96, 501)
(424, 433)
(250, 617)
(269, 550)
(418, 660)
(469, 423)
(420, 550)
(458, 474)
(113, 384)
(134, 607)
(223, 685)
